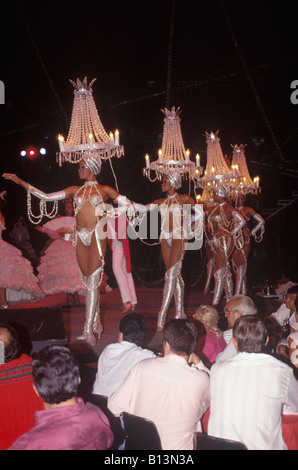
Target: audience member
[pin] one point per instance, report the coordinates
(117, 359)
(287, 309)
(291, 320)
(248, 391)
(17, 397)
(238, 306)
(293, 348)
(283, 285)
(212, 342)
(66, 423)
(167, 390)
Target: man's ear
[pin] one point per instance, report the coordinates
(235, 344)
(166, 348)
(120, 337)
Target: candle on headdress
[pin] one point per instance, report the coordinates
(147, 160)
(116, 137)
(61, 142)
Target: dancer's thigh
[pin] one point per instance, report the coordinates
(223, 251)
(82, 257)
(88, 257)
(95, 258)
(238, 257)
(175, 253)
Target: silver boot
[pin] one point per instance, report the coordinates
(97, 327)
(240, 279)
(219, 277)
(168, 292)
(244, 285)
(179, 297)
(210, 267)
(92, 308)
(228, 283)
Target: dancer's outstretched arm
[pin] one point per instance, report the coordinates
(56, 196)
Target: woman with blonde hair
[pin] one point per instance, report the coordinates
(212, 343)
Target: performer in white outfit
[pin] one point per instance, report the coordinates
(17, 279)
(172, 166)
(242, 247)
(173, 238)
(121, 263)
(90, 237)
(225, 224)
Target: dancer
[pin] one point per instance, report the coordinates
(208, 246)
(172, 241)
(240, 254)
(225, 224)
(17, 279)
(58, 268)
(121, 263)
(21, 239)
(90, 236)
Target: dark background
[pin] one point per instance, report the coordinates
(228, 65)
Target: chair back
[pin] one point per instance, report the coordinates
(102, 402)
(203, 441)
(140, 433)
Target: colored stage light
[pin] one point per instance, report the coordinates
(32, 152)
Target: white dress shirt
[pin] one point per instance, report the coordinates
(227, 335)
(114, 363)
(248, 392)
(294, 337)
(169, 392)
(230, 349)
(282, 314)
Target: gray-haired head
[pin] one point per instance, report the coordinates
(243, 304)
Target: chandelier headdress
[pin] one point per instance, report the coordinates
(173, 160)
(244, 184)
(217, 173)
(87, 139)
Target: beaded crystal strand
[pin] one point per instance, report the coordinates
(36, 219)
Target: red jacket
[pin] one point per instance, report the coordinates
(18, 400)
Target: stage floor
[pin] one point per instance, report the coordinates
(149, 302)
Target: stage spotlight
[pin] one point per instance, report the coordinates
(42, 151)
(32, 152)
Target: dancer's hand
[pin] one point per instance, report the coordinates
(15, 179)
(12, 177)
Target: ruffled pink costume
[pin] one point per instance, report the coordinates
(16, 273)
(58, 269)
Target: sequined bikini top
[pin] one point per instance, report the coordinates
(84, 195)
(173, 203)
